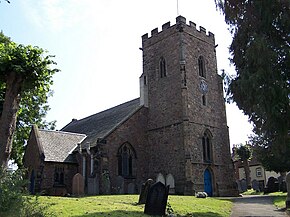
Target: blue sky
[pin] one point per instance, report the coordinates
(96, 43)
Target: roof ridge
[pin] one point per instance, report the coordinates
(98, 113)
(63, 132)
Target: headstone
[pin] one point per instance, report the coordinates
(144, 191)
(288, 190)
(272, 185)
(78, 185)
(131, 188)
(238, 186)
(93, 186)
(255, 185)
(120, 185)
(156, 199)
(244, 185)
(160, 178)
(106, 183)
(171, 183)
(283, 186)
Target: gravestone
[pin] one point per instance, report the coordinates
(238, 186)
(144, 191)
(78, 185)
(272, 185)
(106, 183)
(131, 188)
(156, 199)
(93, 186)
(283, 186)
(255, 185)
(288, 190)
(120, 185)
(244, 185)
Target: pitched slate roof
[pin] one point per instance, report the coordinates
(101, 124)
(57, 146)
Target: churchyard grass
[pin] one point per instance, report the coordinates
(126, 205)
(279, 199)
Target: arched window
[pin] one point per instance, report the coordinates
(207, 147)
(59, 176)
(201, 66)
(203, 99)
(126, 156)
(162, 67)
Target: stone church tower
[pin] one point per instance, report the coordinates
(188, 138)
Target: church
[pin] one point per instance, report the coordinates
(176, 132)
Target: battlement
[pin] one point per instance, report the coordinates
(181, 26)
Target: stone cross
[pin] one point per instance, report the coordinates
(288, 190)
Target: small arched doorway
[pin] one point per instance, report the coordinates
(32, 182)
(208, 182)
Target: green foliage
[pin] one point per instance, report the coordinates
(13, 199)
(11, 189)
(33, 67)
(261, 88)
(243, 152)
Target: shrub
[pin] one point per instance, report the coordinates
(14, 199)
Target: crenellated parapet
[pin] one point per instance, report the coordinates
(180, 26)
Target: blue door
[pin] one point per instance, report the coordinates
(207, 182)
(32, 181)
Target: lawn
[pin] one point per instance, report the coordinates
(126, 205)
(279, 199)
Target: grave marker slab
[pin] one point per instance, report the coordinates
(78, 185)
(272, 185)
(255, 185)
(93, 186)
(131, 188)
(120, 185)
(144, 191)
(156, 199)
(243, 185)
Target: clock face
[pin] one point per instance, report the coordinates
(203, 87)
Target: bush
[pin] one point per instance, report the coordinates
(11, 190)
(14, 199)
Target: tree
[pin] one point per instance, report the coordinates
(244, 154)
(260, 53)
(25, 74)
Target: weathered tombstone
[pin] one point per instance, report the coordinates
(78, 185)
(255, 185)
(144, 191)
(93, 186)
(288, 190)
(283, 186)
(120, 185)
(171, 183)
(106, 183)
(244, 185)
(156, 199)
(131, 188)
(238, 185)
(272, 185)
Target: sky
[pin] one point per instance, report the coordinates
(96, 46)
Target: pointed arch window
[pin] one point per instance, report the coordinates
(126, 157)
(207, 147)
(201, 66)
(162, 67)
(59, 176)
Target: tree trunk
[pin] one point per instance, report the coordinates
(247, 173)
(9, 116)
